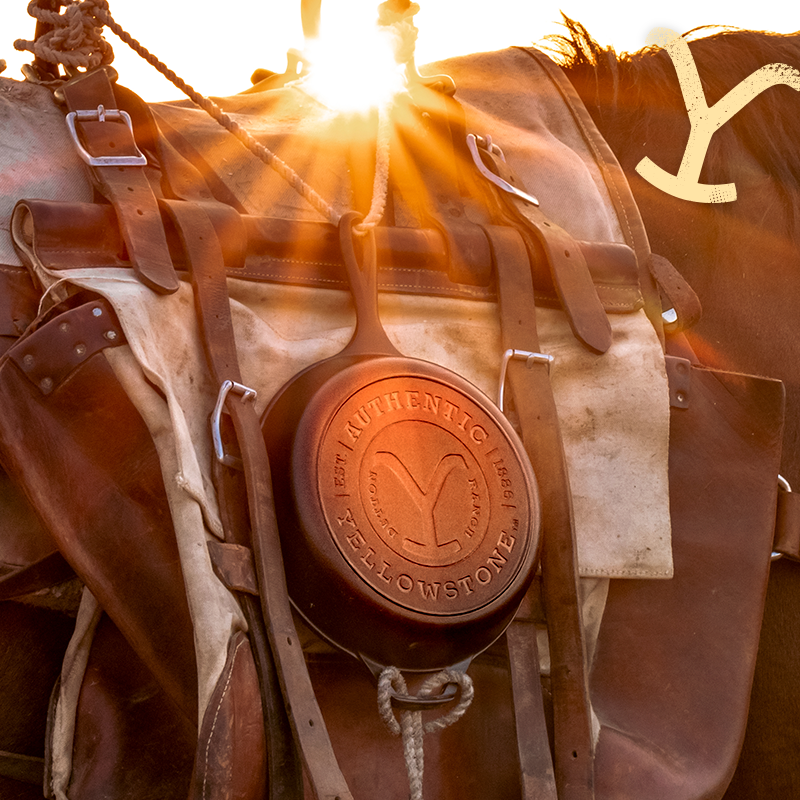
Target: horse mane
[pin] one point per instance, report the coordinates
(624, 93)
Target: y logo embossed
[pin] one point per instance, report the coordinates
(705, 121)
(430, 500)
(424, 543)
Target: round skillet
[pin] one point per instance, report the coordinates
(408, 511)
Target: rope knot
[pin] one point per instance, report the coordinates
(410, 726)
(75, 37)
(397, 15)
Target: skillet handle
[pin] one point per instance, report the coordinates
(369, 337)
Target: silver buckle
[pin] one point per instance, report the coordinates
(101, 114)
(472, 144)
(216, 435)
(530, 360)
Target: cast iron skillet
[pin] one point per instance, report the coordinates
(408, 510)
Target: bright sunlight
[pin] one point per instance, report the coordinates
(352, 65)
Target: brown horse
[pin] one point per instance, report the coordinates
(743, 260)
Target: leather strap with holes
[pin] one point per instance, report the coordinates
(204, 254)
(127, 188)
(530, 385)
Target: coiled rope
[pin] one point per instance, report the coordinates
(76, 36)
(76, 41)
(410, 726)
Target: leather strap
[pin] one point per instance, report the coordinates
(530, 386)
(48, 571)
(234, 562)
(126, 187)
(26, 769)
(208, 276)
(533, 744)
(571, 277)
(680, 296)
(614, 177)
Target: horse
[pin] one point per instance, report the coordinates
(742, 259)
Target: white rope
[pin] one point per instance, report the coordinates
(405, 41)
(410, 727)
(380, 184)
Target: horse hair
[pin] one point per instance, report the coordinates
(622, 91)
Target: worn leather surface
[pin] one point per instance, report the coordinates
(787, 526)
(231, 752)
(476, 757)
(674, 663)
(723, 465)
(131, 741)
(107, 513)
(411, 260)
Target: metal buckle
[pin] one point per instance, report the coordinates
(530, 360)
(100, 114)
(783, 486)
(216, 434)
(472, 144)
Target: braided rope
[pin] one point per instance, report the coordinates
(230, 125)
(380, 185)
(398, 15)
(410, 727)
(76, 37)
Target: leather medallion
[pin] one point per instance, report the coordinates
(424, 495)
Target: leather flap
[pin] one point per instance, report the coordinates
(411, 260)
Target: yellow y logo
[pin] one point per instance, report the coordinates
(705, 121)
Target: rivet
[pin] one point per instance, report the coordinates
(97, 312)
(64, 327)
(46, 384)
(680, 397)
(28, 360)
(80, 349)
(110, 335)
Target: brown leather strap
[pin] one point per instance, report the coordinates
(530, 386)
(26, 769)
(208, 275)
(678, 293)
(48, 571)
(571, 277)
(126, 187)
(614, 177)
(787, 526)
(533, 745)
